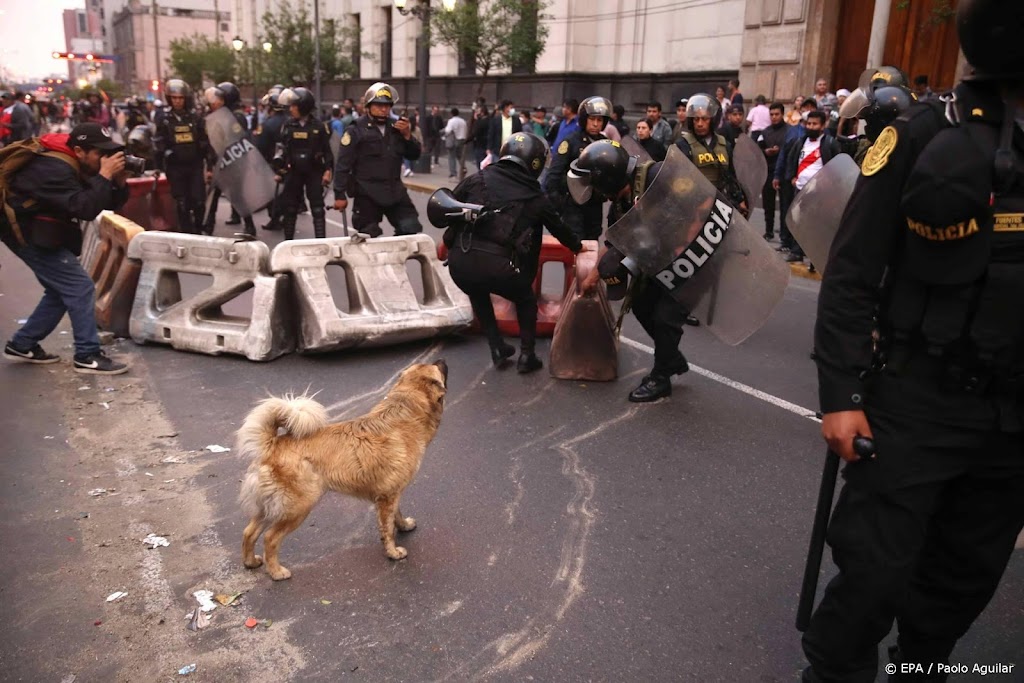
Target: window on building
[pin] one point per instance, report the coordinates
(224, 27)
(83, 24)
(357, 44)
(385, 47)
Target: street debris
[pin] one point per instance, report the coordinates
(197, 619)
(116, 595)
(154, 541)
(49, 437)
(106, 406)
(172, 459)
(97, 492)
(97, 622)
(186, 670)
(214, 448)
(22, 321)
(205, 599)
(148, 474)
(83, 515)
(325, 602)
(84, 388)
(228, 600)
(70, 678)
(251, 622)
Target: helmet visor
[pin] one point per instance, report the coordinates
(579, 186)
(855, 105)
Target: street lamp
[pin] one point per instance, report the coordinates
(267, 46)
(422, 12)
(237, 44)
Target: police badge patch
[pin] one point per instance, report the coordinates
(346, 139)
(878, 156)
(564, 147)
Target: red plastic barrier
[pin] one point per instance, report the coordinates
(150, 203)
(549, 306)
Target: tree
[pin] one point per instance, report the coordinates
(497, 34)
(197, 56)
(291, 60)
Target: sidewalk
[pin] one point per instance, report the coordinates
(438, 178)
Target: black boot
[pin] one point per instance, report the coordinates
(250, 226)
(288, 225)
(500, 353)
(319, 223)
(528, 362)
(235, 218)
(652, 387)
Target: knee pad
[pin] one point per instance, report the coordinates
(408, 226)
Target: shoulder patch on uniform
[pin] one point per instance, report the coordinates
(564, 147)
(346, 139)
(878, 156)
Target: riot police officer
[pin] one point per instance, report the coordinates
(268, 138)
(369, 166)
(181, 147)
(920, 345)
(307, 162)
(226, 95)
(500, 252)
(710, 151)
(586, 219)
(878, 103)
(606, 169)
(136, 115)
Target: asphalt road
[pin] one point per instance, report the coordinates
(564, 533)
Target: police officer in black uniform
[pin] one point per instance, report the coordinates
(500, 252)
(268, 139)
(136, 115)
(585, 220)
(307, 160)
(181, 148)
(929, 260)
(878, 104)
(226, 95)
(369, 167)
(710, 151)
(606, 168)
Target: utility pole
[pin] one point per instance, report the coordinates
(316, 51)
(156, 41)
(216, 21)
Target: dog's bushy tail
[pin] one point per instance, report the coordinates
(300, 416)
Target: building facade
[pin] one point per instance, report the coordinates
(141, 39)
(83, 34)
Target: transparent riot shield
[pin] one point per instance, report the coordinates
(634, 149)
(241, 172)
(751, 169)
(816, 211)
(335, 143)
(689, 240)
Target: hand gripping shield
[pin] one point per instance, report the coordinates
(241, 172)
(751, 169)
(818, 209)
(686, 237)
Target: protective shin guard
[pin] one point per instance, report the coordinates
(288, 226)
(319, 222)
(185, 220)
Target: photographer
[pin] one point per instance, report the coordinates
(500, 252)
(77, 176)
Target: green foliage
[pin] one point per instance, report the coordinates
(197, 56)
(291, 60)
(112, 88)
(501, 34)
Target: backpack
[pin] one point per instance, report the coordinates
(13, 158)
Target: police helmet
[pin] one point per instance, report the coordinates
(887, 103)
(177, 87)
(380, 93)
(140, 142)
(595, 106)
(990, 36)
(603, 166)
(881, 77)
(226, 92)
(527, 150)
(300, 97)
(702, 105)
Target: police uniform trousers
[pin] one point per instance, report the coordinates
(662, 318)
(211, 217)
(188, 188)
(295, 183)
(486, 268)
(921, 535)
(585, 221)
(367, 215)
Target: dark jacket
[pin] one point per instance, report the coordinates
(654, 148)
(830, 147)
(506, 182)
(480, 132)
(370, 164)
(432, 127)
(180, 139)
(270, 134)
(494, 136)
(51, 196)
(772, 136)
(307, 145)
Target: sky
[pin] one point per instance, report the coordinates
(29, 32)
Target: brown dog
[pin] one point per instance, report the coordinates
(373, 457)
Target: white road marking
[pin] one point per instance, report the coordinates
(738, 386)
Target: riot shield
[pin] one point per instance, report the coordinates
(751, 169)
(688, 239)
(634, 149)
(335, 143)
(241, 171)
(816, 211)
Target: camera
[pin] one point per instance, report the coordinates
(135, 166)
(278, 163)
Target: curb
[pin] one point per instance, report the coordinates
(421, 187)
(801, 270)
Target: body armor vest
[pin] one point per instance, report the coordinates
(181, 137)
(302, 143)
(970, 319)
(712, 161)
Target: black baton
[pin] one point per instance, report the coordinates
(865, 448)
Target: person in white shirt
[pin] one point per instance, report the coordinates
(759, 117)
(454, 135)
